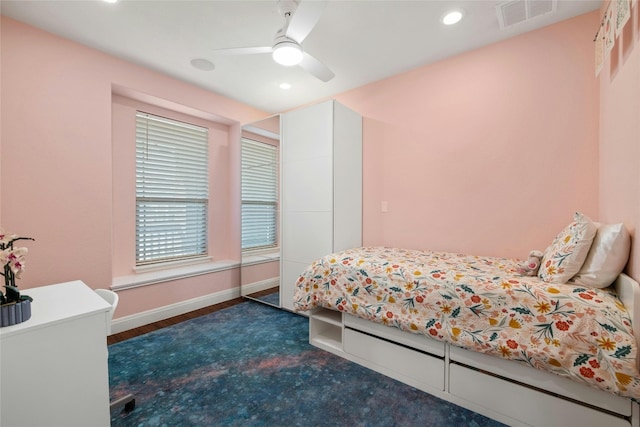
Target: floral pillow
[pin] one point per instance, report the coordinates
(566, 254)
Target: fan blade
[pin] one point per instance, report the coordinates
(316, 68)
(305, 18)
(245, 50)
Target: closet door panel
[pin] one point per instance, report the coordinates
(307, 185)
(307, 133)
(307, 236)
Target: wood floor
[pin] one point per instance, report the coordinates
(181, 318)
(171, 321)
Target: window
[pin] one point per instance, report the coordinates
(259, 195)
(172, 190)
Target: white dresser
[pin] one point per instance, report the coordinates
(54, 366)
(321, 187)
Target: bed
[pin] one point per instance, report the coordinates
(547, 349)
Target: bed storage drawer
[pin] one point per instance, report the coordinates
(417, 341)
(523, 403)
(412, 367)
(542, 380)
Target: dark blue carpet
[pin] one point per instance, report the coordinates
(251, 365)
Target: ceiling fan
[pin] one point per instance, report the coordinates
(300, 18)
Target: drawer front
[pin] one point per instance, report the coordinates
(543, 380)
(522, 403)
(417, 341)
(396, 361)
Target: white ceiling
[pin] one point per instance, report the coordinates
(361, 41)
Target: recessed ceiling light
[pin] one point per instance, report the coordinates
(202, 64)
(285, 86)
(452, 17)
(110, 1)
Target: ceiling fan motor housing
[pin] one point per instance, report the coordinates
(287, 7)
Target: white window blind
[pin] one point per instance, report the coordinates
(172, 189)
(259, 195)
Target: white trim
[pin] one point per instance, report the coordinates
(145, 268)
(260, 286)
(261, 132)
(132, 321)
(159, 276)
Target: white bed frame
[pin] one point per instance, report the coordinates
(506, 391)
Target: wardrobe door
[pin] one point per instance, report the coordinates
(306, 192)
(260, 210)
(321, 188)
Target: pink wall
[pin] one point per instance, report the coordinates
(620, 135)
(259, 272)
(489, 152)
(56, 166)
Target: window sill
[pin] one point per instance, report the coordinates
(159, 276)
(265, 251)
(172, 265)
(251, 259)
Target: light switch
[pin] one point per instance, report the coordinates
(384, 206)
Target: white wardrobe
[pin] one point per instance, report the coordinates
(321, 188)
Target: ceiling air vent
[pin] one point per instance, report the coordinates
(517, 11)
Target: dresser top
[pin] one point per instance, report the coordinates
(58, 303)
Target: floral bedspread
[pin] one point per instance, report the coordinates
(482, 304)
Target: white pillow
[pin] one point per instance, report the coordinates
(607, 257)
(566, 254)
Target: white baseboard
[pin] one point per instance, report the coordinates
(260, 286)
(132, 321)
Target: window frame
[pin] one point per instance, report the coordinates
(187, 175)
(273, 203)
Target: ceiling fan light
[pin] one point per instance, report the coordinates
(287, 53)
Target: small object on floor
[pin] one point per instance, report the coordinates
(128, 401)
